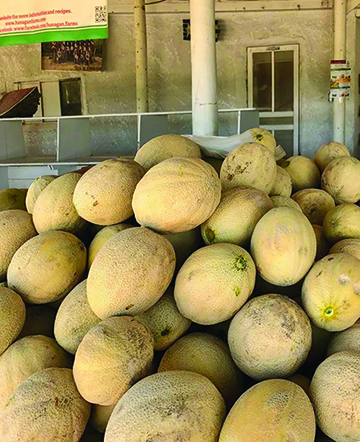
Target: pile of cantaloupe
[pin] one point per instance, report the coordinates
(160, 300)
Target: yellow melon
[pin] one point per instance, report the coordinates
(104, 193)
(270, 337)
(16, 227)
(102, 237)
(275, 410)
(100, 415)
(347, 340)
(236, 216)
(47, 267)
(36, 187)
(250, 164)
(214, 283)
(304, 173)
(342, 222)
(350, 245)
(207, 355)
(11, 199)
(164, 147)
(184, 243)
(39, 321)
(264, 137)
(328, 152)
(177, 195)
(315, 204)
(12, 317)
(302, 381)
(25, 357)
(169, 406)
(46, 406)
(322, 246)
(283, 201)
(130, 273)
(283, 246)
(341, 179)
(330, 293)
(54, 208)
(335, 394)
(112, 356)
(74, 319)
(165, 321)
(283, 185)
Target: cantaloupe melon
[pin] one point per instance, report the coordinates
(341, 179)
(315, 204)
(102, 237)
(236, 216)
(347, 340)
(350, 245)
(184, 243)
(112, 356)
(328, 152)
(283, 246)
(250, 164)
(104, 193)
(54, 208)
(322, 246)
(214, 283)
(36, 187)
(100, 416)
(304, 173)
(263, 137)
(283, 185)
(272, 411)
(283, 201)
(207, 355)
(12, 317)
(74, 319)
(16, 227)
(25, 357)
(330, 293)
(302, 381)
(177, 195)
(47, 267)
(165, 321)
(335, 394)
(12, 199)
(45, 407)
(164, 147)
(130, 273)
(169, 406)
(270, 337)
(342, 222)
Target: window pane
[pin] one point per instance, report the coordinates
(284, 81)
(70, 94)
(262, 80)
(286, 139)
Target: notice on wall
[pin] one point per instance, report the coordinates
(37, 21)
(340, 79)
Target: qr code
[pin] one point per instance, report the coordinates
(100, 14)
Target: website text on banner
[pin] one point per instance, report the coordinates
(37, 21)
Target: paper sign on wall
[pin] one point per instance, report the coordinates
(340, 79)
(36, 21)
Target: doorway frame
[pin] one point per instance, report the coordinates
(294, 114)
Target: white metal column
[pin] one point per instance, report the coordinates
(203, 62)
(142, 103)
(339, 54)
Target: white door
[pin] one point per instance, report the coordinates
(273, 88)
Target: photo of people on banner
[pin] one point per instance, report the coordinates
(83, 55)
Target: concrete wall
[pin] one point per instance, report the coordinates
(169, 71)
